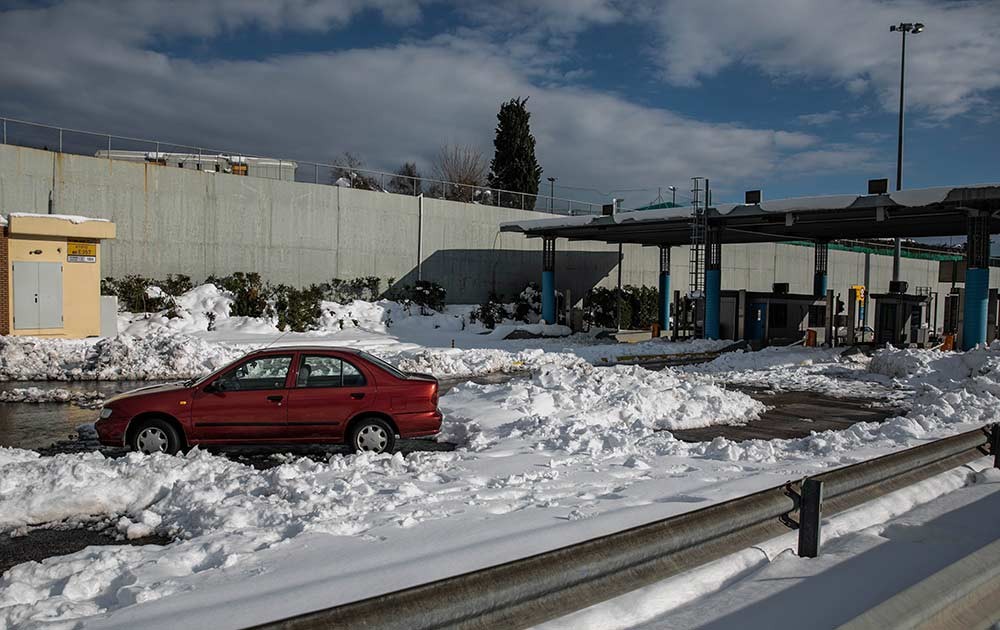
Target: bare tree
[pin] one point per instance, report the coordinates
(350, 167)
(461, 165)
(407, 180)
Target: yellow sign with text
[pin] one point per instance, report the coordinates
(77, 251)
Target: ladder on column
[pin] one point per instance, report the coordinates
(699, 235)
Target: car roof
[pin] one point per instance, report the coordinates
(305, 348)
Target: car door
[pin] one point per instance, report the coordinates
(245, 403)
(328, 391)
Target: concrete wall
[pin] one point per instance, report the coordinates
(174, 220)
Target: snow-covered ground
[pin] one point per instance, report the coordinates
(567, 453)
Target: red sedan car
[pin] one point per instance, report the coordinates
(279, 395)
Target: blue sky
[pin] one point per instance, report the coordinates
(795, 97)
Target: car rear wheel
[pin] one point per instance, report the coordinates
(155, 436)
(373, 435)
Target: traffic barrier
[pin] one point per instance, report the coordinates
(529, 591)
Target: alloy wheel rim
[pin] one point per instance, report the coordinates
(372, 438)
(152, 440)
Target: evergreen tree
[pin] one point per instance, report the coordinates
(514, 166)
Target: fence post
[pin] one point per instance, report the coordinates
(522, 201)
(109, 146)
(60, 140)
(810, 512)
(5, 131)
(315, 173)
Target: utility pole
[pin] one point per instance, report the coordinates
(904, 28)
(552, 191)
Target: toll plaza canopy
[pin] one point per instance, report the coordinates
(940, 211)
(926, 212)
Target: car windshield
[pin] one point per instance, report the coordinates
(388, 367)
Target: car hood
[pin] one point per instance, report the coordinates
(145, 391)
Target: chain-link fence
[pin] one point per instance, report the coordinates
(64, 140)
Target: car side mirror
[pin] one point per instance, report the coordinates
(215, 386)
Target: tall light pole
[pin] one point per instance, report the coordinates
(552, 191)
(904, 28)
(673, 195)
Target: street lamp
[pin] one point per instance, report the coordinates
(552, 190)
(904, 28)
(673, 195)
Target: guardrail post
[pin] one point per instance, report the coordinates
(810, 512)
(995, 444)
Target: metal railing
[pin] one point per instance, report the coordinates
(548, 585)
(79, 142)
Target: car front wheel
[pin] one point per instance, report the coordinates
(155, 436)
(373, 435)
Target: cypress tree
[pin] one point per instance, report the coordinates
(514, 166)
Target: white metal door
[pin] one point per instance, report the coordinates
(37, 295)
(25, 295)
(50, 294)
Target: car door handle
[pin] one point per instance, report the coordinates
(357, 395)
(276, 399)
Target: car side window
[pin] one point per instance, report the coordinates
(324, 371)
(262, 373)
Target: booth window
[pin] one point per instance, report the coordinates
(817, 316)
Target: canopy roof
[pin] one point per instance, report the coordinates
(924, 212)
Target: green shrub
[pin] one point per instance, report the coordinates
(640, 307)
(250, 294)
(133, 294)
(298, 309)
(491, 312)
(426, 294)
(175, 284)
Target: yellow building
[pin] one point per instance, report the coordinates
(52, 265)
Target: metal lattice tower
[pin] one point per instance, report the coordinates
(699, 234)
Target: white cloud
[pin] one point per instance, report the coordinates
(820, 118)
(388, 104)
(950, 67)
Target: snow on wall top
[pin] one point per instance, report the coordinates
(72, 218)
(905, 198)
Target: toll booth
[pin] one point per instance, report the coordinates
(773, 318)
(902, 319)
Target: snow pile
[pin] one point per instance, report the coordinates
(823, 370)
(502, 331)
(903, 363)
(578, 408)
(221, 510)
(91, 399)
(200, 309)
(157, 355)
(379, 317)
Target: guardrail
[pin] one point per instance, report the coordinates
(529, 591)
(66, 140)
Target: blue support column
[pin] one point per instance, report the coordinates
(977, 281)
(713, 282)
(977, 292)
(664, 297)
(822, 257)
(549, 280)
(713, 300)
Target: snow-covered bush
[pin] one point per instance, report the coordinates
(298, 309)
(250, 293)
(367, 288)
(526, 308)
(428, 295)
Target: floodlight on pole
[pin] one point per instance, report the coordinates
(552, 190)
(673, 195)
(904, 28)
